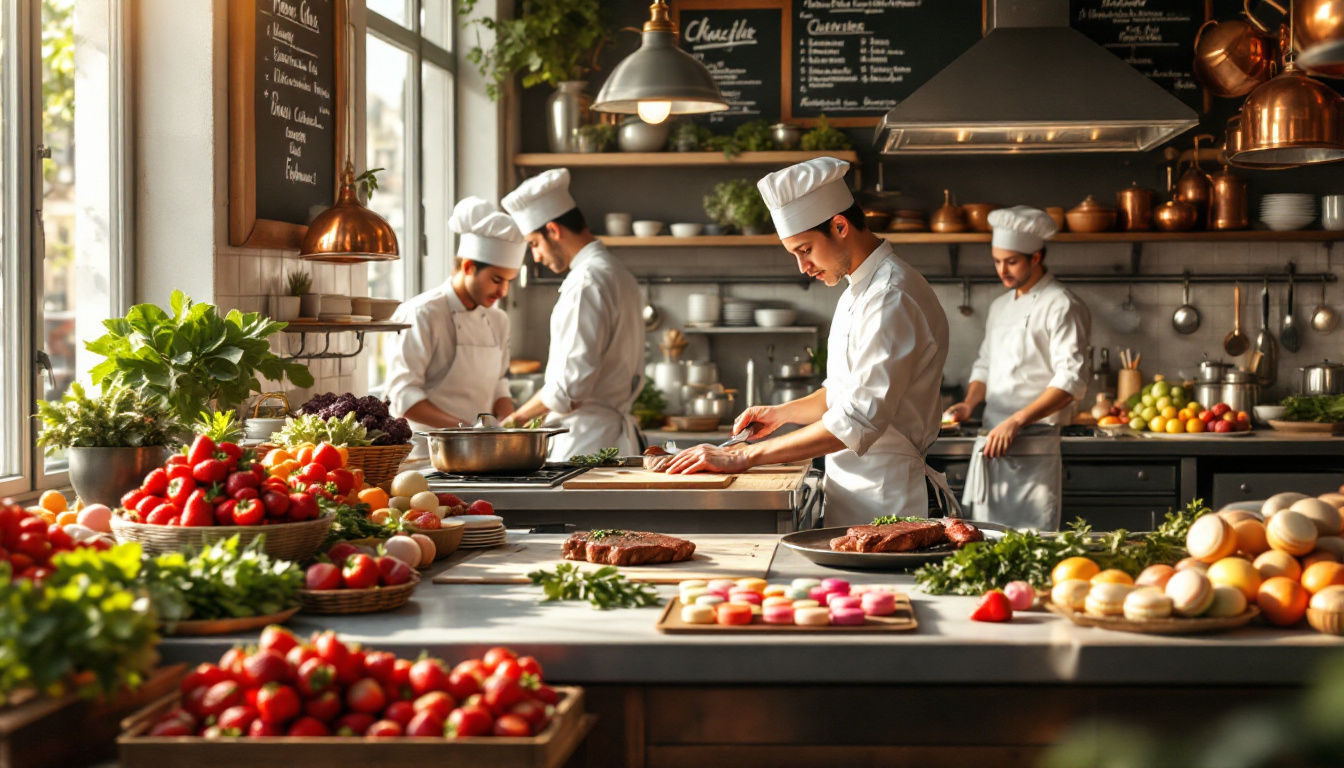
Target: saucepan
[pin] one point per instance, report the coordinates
(488, 451)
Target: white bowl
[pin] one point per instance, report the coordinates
(1264, 413)
(336, 305)
(383, 309)
(647, 228)
(1287, 223)
(686, 230)
(775, 318)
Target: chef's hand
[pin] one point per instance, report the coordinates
(708, 458)
(508, 423)
(767, 419)
(1001, 438)
(958, 413)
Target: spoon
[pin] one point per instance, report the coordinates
(1236, 342)
(650, 313)
(966, 309)
(1186, 317)
(1289, 336)
(1323, 318)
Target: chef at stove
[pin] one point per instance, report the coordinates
(877, 412)
(1030, 374)
(596, 359)
(451, 364)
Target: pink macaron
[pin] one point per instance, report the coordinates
(819, 594)
(778, 614)
(745, 596)
(847, 616)
(843, 601)
(838, 586)
(879, 603)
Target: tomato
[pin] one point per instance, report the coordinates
(313, 474)
(61, 540)
(327, 455)
(232, 450)
(248, 511)
(330, 649)
(275, 502)
(392, 571)
(224, 512)
(277, 638)
(344, 480)
(530, 666)
(302, 506)
(471, 720)
(34, 545)
(360, 572)
(278, 703)
(494, 656)
(428, 675)
(202, 448)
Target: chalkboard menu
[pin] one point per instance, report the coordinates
(854, 60)
(286, 121)
(743, 43)
(1156, 37)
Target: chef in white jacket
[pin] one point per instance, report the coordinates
(877, 412)
(595, 366)
(451, 364)
(1030, 374)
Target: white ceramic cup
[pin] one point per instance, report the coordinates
(704, 308)
(618, 224)
(1332, 212)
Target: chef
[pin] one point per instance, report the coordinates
(877, 412)
(596, 359)
(450, 365)
(1029, 374)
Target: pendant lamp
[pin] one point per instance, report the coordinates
(1319, 28)
(660, 79)
(348, 232)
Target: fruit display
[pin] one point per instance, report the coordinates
(801, 602)
(28, 542)
(324, 687)
(1164, 408)
(345, 567)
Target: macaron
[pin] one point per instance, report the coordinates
(721, 586)
(1107, 599)
(1191, 593)
(1324, 514)
(710, 600)
(774, 589)
(812, 617)
(818, 593)
(691, 584)
(1071, 594)
(794, 593)
(1147, 603)
(1211, 538)
(777, 614)
(805, 584)
(733, 613)
(776, 600)
(690, 595)
(697, 614)
(879, 603)
(755, 585)
(1227, 602)
(844, 601)
(746, 598)
(836, 585)
(1292, 532)
(847, 616)
(1155, 576)
(806, 603)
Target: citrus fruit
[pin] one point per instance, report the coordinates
(1113, 576)
(1074, 568)
(1250, 537)
(1157, 424)
(1169, 412)
(1137, 424)
(1236, 572)
(1175, 427)
(1275, 563)
(1194, 424)
(1283, 601)
(67, 518)
(52, 501)
(1318, 576)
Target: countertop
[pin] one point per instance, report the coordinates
(577, 644)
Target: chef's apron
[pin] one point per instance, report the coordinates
(469, 386)
(594, 426)
(1021, 489)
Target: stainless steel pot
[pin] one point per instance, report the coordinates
(104, 475)
(1324, 378)
(784, 392)
(1212, 372)
(719, 407)
(1208, 393)
(797, 369)
(488, 451)
(702, 373)
(1241, 391)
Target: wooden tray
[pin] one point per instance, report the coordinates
(1307, 427)
(549, 749)
(903, 620)
(206, 627)
(638, 478)
(1172, 626)
(1192, 435)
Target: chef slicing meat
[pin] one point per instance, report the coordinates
(1030, 373)
(877, 412)
(595, 365)
(451, 364)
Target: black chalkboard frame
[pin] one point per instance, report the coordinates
(785, 8)
(245, 229)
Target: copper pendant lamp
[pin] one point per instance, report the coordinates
(1319, 28)
(348, 232)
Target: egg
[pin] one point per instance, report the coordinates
(1210, 539)
(1324, 514)
(427, 550)
(426, 501)
(1278, 502)
(1292, 532)
(410, 483)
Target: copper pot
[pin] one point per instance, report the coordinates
(1174, 215)
(1090, 216)
(1318, 31)
(1232, 57)
(949, 218)
(1136, 209)
(1057, 213)
(1291, 120)
(977, 215)
(1227, 204)
(1195, 189)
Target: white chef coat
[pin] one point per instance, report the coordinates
(888, 343)
(595, 365)
(1032, 342)
(457, 359)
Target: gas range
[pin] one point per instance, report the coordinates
(549, 476)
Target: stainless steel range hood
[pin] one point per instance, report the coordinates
(1032, 84)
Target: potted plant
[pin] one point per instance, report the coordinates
(287, 307)
(824, 138)
(738, 203)
(112, 441)
(689, 136)
(594, 137)
(549, 41)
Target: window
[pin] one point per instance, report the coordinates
(409, 94)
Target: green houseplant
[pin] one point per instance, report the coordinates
(737, 203)
(824, 138)
(689, 136)
(595, 137)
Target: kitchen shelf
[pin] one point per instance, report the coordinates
(666, 159)
(703, 241)
(305, 327)
(966, 238)
(728, 330)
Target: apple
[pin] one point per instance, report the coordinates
(1220, 409)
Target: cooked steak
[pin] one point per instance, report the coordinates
(655, 463)
(627, 548)
(961, 533)
(893, 537)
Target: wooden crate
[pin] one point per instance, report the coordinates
(549, 749)
(70, 731)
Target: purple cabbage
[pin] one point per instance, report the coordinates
(369, 411)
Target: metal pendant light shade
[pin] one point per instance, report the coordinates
(348, 232)
(661, 76)
(1318, 26)
(1291, 120)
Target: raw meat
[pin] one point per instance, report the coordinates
(627, 548)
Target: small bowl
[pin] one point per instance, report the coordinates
(336, 305)
(775, 318)
(361, 305)
(1266, 413)
(647, 228)
(714, 230)
(262, 428)
(686, 230)
(977, 215)
(876, 221)
(381, 310)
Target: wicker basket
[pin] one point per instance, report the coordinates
(1329, 622)
(379, 462)
(284, 541)
(446, 539)
(357, 600)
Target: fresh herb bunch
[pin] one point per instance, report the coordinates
(1325, 409)
(603, 135)
(650, 406)
(311, 428)
(221, 581)
(221, 427)
(602, 458)
(118, 418)
(824, 138)
(192, 357)
(889, 519)
(604, 588)
(547, 41)
(369, 411)
(689, 136)
(84, 628)
(601, 533)
(351, 523)
(300, 283)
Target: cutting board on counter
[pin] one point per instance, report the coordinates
(765, 478)
(717, 556)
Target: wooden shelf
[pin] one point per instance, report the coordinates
(962, 238)
(726, 330)
(663, 159)
(316, 326)
(703, 241)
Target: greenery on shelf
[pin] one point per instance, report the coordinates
(737, 203)
(192, 357)
(753, 136)
(689, 136)
(602, 135)
(650, 406)
(547, 41)
(300, 283)
(120, 417)
(824, 138)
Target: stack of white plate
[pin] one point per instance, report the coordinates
(481, 531)
(1286, 212)
(737, 312)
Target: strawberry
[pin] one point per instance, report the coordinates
(307, 726)
(341, 551)
(511, 725)
(400, 712)
(232, 450)
(352, 724)
(385, 729)
(203, 675)
(238, 717)
(156, 483)
(380, 665)
(278, 703)
(449, 500)
(261, 729)
(248, 511)
(147, 504)
(298, 656)
(464, 682)
(176, 460)
(530, 666)
(277, 638)
(366, 696)
(351, 670)
(470, 720)
(224, 512)
(360, 572)
(162, 513)
(275, 502)
(428, 675)
(220, 697)
(327, 455)
(248, 493)
(496, 656)
(171, 726)
(438, 703)
(546, 695)
(132, 498)
(330, 649)
(326, 706)
(198, 512)
(210, 471)
(180, 489)
(178, 470)
(202, 448)
(425, 724)
(264, 667)
(315, 676)
(238, 481)
(994, 606)
(501, 693)
(392, 571)
(534, 712)
(481, 507)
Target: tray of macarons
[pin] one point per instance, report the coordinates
(1161, 601)
(802, 605)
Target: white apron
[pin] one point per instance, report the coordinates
(593, 427)
(888, 480)
(468, 389)
(1021, 489)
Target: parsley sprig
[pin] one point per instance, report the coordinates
(604, 588)
(601, 458)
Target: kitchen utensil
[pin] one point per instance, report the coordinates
(1127, 320)
(965, 308)
(1056, 213)
(740, 437)
(1318, 26)
(1186, 318)
(1208, 393)
(949, 218)
(1267, 371)
(775, 317)
(703, 308)
(1240, 391)
(1232, 57)
(875, 220)
(798, 368)
(1323, 317)
(1090, 216)
(977, 216)
(1236, 343)
(783, 391)
(702, 373)
(686, 229)
(668, 376)
(786, 135)
(488, 451)
(1213, 371)
(1175, 215)
(707, 423)
(1323, 378)
(1305, 427)
(1332, 212)
(1129, 382)
(1289, 335)
(1267, 413)
(1227, 201)
(1285, 212)
(647, 228)
(652, 318)
(1135, 209)
(753, 395)
(618, 224)
(1195, 189)
(383, 309)
(672, 345)
(724, 405)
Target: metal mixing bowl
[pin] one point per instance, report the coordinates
(488, 451)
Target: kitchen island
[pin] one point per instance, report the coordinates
(813, 699)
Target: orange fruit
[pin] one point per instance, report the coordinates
(1113, 576)
(305, 455)
(1320, 575)
(275, 456)
(67, 518)
(1238, 573)
(1250, 537)
(345, 455)
(52, 501)
(1194, 424)
(1319, 556)
(1276, 563)
(1074, 568)
(375, 497)
(48, 517)
(1283, 601)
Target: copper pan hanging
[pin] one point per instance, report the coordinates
(1318, 30)
(1232, 57)
(1291, 120)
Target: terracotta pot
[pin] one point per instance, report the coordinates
(1090, 216)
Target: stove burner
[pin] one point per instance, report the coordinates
(548, 476)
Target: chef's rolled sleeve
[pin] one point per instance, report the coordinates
(1072, 331)
(407, 365)
(980, 370)
(577, 345)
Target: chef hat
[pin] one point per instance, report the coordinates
(804, 195)
(540, 199)
(1021, 228)
(487, 236)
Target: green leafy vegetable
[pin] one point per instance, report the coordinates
(824, 138)
(602, 458)
(222, 581)
(119, 418)
(1325, 409)
(650, 406)
(351, 523)
(604, 588)
(311, 428)
(222, 427)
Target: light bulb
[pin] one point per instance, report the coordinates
(654, 112)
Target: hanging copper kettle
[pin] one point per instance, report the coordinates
(1232, 57)
(1195, 189)
(1227, 204)
(1318, 31)
(1174, 215)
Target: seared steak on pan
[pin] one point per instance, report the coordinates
(627, 548)
(906, 537)
(961, 533)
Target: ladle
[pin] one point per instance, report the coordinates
(1289, 335)
(1236, 342)
(1323, 317)
(966, 309)
(1186, 318)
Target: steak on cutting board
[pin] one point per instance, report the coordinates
(892, 537)
(627, 548)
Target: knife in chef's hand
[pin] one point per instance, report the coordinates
(740, 437)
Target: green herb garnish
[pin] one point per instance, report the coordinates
(351, 523)
(602, 534)
(604, 588)
(889, 519)
(603, 457)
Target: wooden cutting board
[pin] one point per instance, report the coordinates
(717, 556)
(903, 620)
(772, 477)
